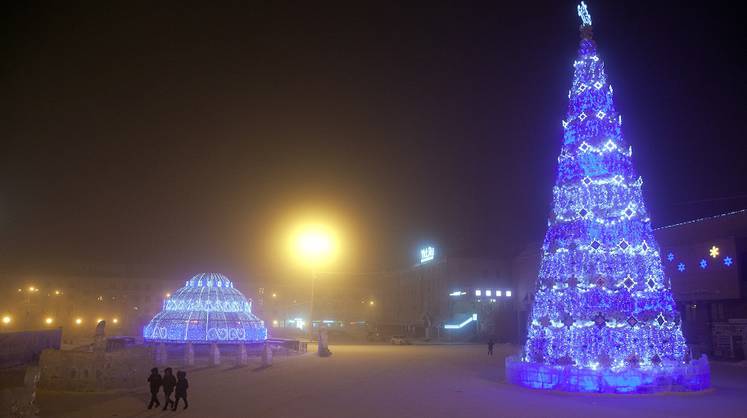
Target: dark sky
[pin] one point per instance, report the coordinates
(183, 135)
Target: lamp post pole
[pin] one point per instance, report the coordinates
(311, 304)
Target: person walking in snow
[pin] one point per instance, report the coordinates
(155, 381)
(491, 343)
(169, 381)
(181, 389)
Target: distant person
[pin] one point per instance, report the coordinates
(181, 389)
(169, 381)
(491, 343)
(155, 381)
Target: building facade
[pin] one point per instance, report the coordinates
(453, 298)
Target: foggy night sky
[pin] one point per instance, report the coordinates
(182, 135)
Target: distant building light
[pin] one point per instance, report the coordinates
(478, 292)
(6, 319)
(49, 320)
(508, 293)
(427, 254)
(488, 293)
(457, 293)
(499, 293)
(492, 300)
(298, 322)
(78, 321)
(466, 321)
(115, 320)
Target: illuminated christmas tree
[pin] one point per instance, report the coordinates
(603, 318)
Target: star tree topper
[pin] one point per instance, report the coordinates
(583, 13)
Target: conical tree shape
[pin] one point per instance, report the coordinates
(602, 300)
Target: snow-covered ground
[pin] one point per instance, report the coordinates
(379, 381)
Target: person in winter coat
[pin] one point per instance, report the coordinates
(169, 381)
(181, 389)
(491, 343)
(155, 383)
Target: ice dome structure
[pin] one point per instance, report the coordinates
(208, 309)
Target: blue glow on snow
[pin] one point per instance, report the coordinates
(207, 309)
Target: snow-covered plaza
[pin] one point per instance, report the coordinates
(396, 381)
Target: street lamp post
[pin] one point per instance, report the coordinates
(311, 304)
(315, 246)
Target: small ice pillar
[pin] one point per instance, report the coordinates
(162, 356)
(214, 355)
(189, 354)
(242, 359)
(267, 354)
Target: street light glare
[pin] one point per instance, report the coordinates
(314, 244)
(6, 319)
(49, 320)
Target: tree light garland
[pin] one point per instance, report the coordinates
(603, 318)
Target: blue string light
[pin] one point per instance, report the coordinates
(207, 309)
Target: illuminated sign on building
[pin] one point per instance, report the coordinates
(427, 254)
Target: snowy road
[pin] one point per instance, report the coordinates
(396, 381)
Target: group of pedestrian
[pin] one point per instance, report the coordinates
(170, 384)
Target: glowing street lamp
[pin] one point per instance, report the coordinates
(115, 320)
(49, 320)
(314, 246)
(78, 321)
(7, 319)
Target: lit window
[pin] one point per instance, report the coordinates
(478, 292)
(488, 293)
(508, 293)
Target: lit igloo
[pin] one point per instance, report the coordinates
(208, 309)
